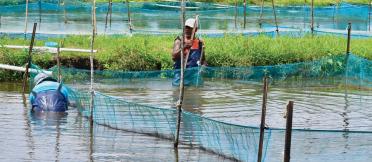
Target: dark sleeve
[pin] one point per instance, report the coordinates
(176, 50)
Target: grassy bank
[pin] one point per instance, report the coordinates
(148, 52)
(253, 2)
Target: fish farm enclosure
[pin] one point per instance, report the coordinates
(119, 114)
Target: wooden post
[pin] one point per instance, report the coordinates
(312, 17)
(236, 13)
(245, 13)
(369, 14)
(305, 2)
(276, 22)
(39, 4)
(29, 59)
(26, 19)
(288, 132)
(348, 39)
(110, 13)
(261, 13)
(129, 19)
(59, 63)
(107, 13)
(263, 118)
(94, 17)
(64, 12)
(91, 62)
(180, 100)
(334, 13)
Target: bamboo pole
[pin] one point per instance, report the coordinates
(91, 62)
(312, 17)
(348, 39)
(245, 13)
(59, 63)
(39, 4)
(64, 12)
(110, 13)
(26, 19)
(23, 69)
(107, 14)
(261, 13)
(129, 19)
(180, 100)
(369, 14)
(288, 132)
(276, 22)
(263, 118)
(305, 2)
(236, 13)
(29, 59)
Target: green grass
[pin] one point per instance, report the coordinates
(149, 52)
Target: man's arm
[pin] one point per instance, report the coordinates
(203, 61)
(176, 50)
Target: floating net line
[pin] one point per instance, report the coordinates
(236, 142)
(350, 66)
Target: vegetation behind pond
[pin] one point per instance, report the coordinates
(151, 52)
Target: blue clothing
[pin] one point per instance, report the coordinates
(46, 97)
(191, 76)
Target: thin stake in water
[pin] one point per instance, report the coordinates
(129, 18)
(64, 12)
(236, 13)
(261, 14)
(369, 14)
(91, 62)
(26, 19)
(288, 132)
(312, 17)
(276, 22)
(59, 62)
(39, 4)
(180, 100)
(263, 118)
(245, 13)
(107, 14)
(29, 59)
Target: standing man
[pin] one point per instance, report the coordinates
(193, 47)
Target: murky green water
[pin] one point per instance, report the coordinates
(26, 137)
(317, 106)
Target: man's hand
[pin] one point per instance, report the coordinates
(188, 43)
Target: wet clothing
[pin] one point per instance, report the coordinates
(49, 96)
(191, 73)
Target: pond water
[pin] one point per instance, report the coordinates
(77, 20)
(323, 104)
(67, 137)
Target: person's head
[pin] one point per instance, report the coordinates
(42, 77)
(189, 26)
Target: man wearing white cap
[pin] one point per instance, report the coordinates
(193, 47)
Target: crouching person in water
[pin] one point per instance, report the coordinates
(193, 46)
(48, 95)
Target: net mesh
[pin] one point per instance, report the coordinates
(237, 142)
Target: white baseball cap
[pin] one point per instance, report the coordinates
(191, 23)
